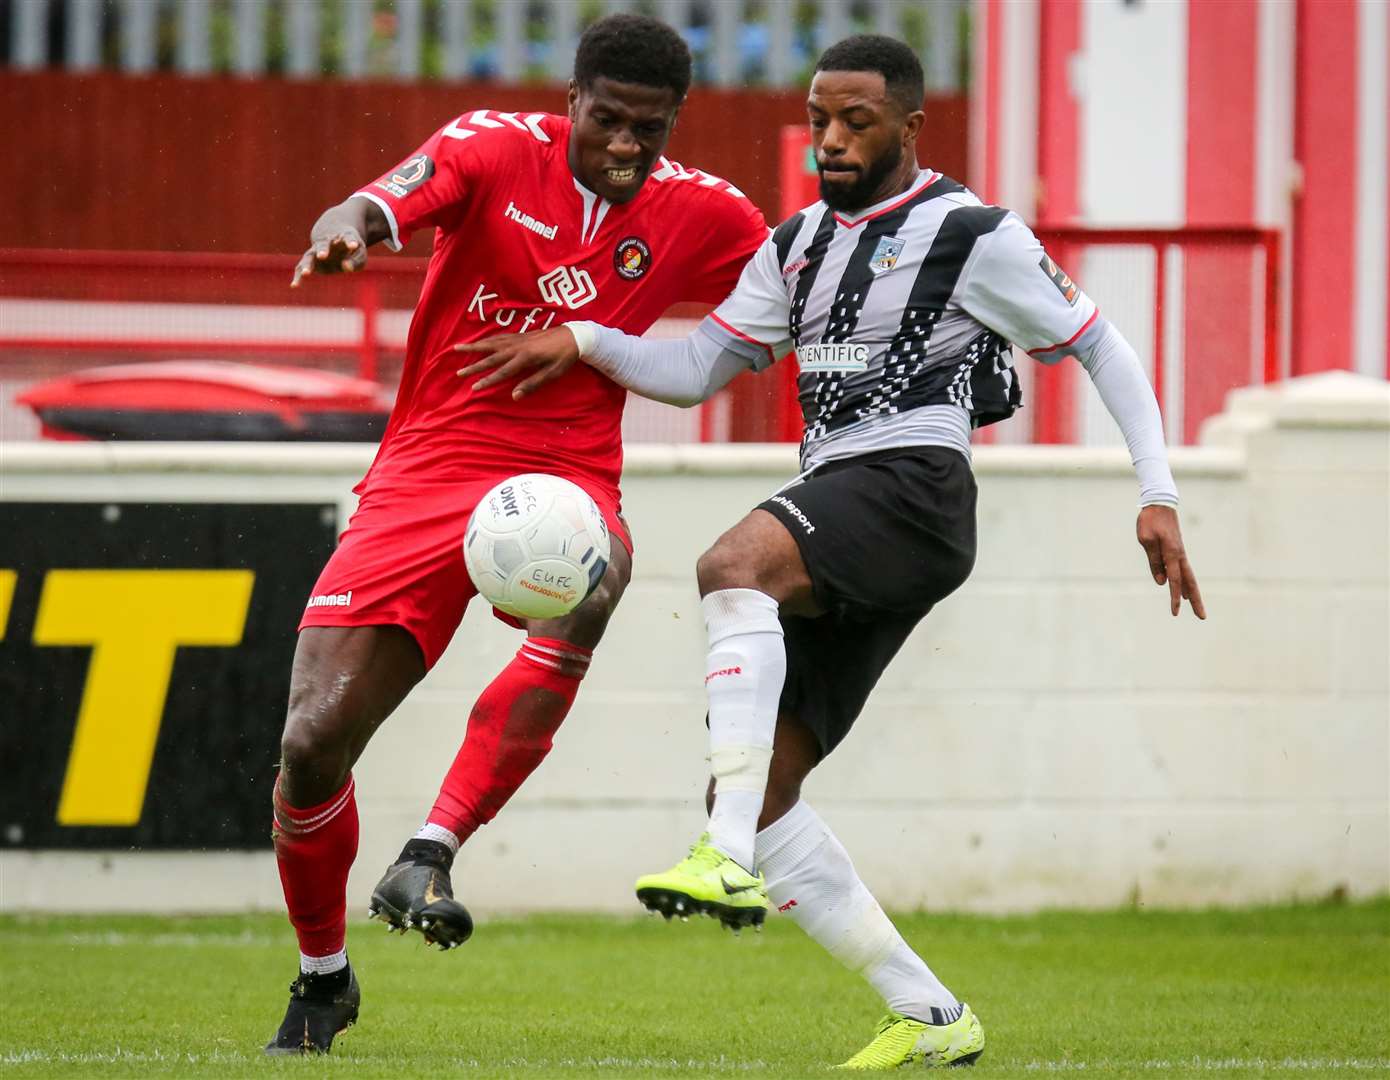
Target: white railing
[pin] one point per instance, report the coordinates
(735, 42)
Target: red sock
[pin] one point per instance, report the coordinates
(509, 733)
(314, 848)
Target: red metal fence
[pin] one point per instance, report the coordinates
(1201, 305)
(65, 310)
(147, 304)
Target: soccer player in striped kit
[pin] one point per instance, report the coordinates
(902, 296)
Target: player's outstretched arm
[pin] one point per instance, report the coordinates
(339, 240)
(1015, 289)
(1125, 391)
(684, 372)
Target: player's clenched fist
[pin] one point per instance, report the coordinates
(339, 251)
(550, 353)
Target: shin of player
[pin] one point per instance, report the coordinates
(811, 878)
(744, 598)
(510, 732)
(744, 669)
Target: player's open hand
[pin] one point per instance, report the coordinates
(339, 252)
(547, 353)
(1161, 537)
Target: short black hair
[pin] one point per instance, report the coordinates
(889, 57)
(633, 49)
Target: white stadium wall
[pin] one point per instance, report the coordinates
(1049, 736)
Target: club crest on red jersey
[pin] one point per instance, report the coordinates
(631, 258)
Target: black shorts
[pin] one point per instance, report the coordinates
(884, 537)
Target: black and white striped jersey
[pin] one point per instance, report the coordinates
(902, 317)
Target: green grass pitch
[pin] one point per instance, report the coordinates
(1301, 991)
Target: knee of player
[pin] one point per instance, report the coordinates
(306, 753)
(725, 566)
(603, 601)
(585, 624)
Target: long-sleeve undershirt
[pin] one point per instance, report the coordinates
(685, 372)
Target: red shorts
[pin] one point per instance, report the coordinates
(400, 560)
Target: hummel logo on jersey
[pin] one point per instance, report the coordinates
(833, 356)
(734, 890)
(568, 286)
(331, 600)
(787, 906)
(526, 221)
(795, 511)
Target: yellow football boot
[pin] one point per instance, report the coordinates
(900, 1040)
(706, 882)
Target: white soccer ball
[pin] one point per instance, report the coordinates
(536, 546)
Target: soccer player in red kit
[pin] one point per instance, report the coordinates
(538, 220)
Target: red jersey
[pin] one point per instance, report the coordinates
(521, 245)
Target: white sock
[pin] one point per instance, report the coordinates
(810, 877)
(744, 671)
(439, 834)
(323, 965)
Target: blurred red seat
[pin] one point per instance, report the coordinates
(197, 400)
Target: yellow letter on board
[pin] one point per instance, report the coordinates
(134, 620)
(7, 578)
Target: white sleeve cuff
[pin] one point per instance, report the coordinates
(394, 240)
(585, 336)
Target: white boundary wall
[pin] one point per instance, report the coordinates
(1049, 736)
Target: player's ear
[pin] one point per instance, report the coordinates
(912, 126)
(573, 101)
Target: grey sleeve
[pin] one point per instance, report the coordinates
(681, 372)
(1012, 286)
(1128, 397)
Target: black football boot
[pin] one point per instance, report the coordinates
(321, 1006)
(415, 893)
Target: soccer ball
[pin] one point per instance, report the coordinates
(536, 546)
